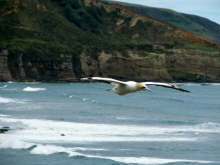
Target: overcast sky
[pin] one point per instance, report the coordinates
(205, 8)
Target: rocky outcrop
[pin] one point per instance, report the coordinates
(180, 65)
(5, 74)
(20, 67)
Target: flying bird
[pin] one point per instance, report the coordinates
(123, 88)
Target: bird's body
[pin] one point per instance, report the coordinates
(123, 88)
(128, 87)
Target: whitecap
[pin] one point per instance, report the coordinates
(30, 89)
(50, 149)
(85, 99)
(4, 86)
(42, 149)
(209, 126)
(211, 84)
(8, 141)
(5, 100)
(122, 118)
(10, 82)
(1, 115)
(47, 131)
(152, 161)
(37, 135)
(50, 131)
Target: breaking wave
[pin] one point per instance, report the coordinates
(73, 152)
(4, 86)
(30, 89)
(40, 137)
(5, 100)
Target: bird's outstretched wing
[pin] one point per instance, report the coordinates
(166, 86)
(102, 79)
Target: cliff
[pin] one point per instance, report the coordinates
(63, 40)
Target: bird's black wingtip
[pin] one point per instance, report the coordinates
(184, 90)
(181, 89)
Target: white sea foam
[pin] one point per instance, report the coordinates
(152, 161)
(51, 149)
(30, 89)
(6, 100)
(51, 131)
(8, 141)
(39, 136)
(123, 118)
(35, 148)
(197, 84)
(1, 115)
(10, 82)
(4, 86)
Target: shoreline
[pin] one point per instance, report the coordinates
(77, 80)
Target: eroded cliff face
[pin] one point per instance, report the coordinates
(18, 67)
(5, 74)
(182, 65)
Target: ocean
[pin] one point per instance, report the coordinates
(83, 124)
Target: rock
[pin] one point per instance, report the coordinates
(4, 129)
(5, 74)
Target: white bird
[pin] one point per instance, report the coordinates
(123, 88)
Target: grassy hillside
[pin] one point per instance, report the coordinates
(51, 26)
(38, 34)
(192, 23)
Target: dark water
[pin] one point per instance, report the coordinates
(82, 124)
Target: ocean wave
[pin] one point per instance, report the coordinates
(46, 136)
(4, 86)
(41, 149)
(8, 141)
(209, 125)
(51, 149)
(211, 84)
(1, 115)
(197, 84)
(10, 82)
(5, 100)
(60, 131)
(153, 161)
(30, 89)
(47, 131)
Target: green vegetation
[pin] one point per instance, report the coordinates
(199, 47)
(52, 27)
(192, 23)
(185, 76)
